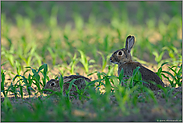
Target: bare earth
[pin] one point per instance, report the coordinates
(164, 111)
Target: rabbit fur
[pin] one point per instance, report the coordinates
(123, 58)
(53, 84)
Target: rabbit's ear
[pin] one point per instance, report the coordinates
(129, 43)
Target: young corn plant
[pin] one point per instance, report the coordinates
(79, 24)
(104, 60)
(135, 79)
(73, 63)
(81, 93)
(63, 69)
(122, 96)
(128, 94)
(159, 72)
(53, 18)
(9, 55)
(175, 56)
(174, 75)
(21, 83)
(35, 78)
(106, 43)
(7, 106)
(45, 46)
(28, 82)
(85, 62)
(44, 73)
(158, 57)
(18, 67)
(13, 89)
(2, 82)
(107, 88)
(53, 55)
(100, 81)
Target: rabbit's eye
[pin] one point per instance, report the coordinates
(52, 84)
(120, 53)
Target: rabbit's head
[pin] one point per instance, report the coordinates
(123, 55)
(53, 84)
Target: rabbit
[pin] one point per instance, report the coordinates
(123, 58)
(53, 84)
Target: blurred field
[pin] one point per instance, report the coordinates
(79, 38)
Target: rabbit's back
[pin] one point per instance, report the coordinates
(128, 67)
(147, 75)
(53, 84)
(79, 81)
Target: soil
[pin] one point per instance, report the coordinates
(169, 109)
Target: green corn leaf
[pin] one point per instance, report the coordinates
(169, 74)
(121, 75)
(2, 82)
(7, 104)
(84, 61)
(25, 80)
(104, 62)
(21, 91)
(107, 84)
(61, 83)
(171, 82)
(29, 80)
(16, 77)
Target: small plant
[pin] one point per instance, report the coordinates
(2, 82)
(73, 63)
(104, 61)
(174, 75)
(9, 55)
(85, 62)
(175, 57)
(53, 55)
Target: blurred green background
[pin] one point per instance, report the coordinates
(133, 12)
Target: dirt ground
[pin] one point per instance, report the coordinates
(170, 110)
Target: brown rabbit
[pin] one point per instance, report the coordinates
(123, 58)
(53, 84)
